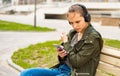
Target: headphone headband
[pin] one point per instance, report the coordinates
(85, 13)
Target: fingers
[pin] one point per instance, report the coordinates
(63, 34)
(64, 37)
(62, 53)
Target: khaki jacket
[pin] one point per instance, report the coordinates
(84, 56)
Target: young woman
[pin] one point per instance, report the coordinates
(82, 47)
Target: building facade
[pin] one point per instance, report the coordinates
(26, 2)
(0, 2)
(5, 2)
(29, 2)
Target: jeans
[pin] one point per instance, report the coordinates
(63, 70)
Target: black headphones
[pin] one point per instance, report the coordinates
(87, 16)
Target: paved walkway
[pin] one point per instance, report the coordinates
(11, 41)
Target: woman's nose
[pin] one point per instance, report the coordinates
(74, 25)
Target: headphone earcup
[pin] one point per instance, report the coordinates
(87, 18)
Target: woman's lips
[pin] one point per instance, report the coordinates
(76, 29)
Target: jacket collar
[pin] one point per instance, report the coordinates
(86, 32)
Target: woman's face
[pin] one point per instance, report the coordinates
(77, 21)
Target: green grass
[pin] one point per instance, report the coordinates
(12, 26)
(38, 55)
(106, 73)
(112, 43)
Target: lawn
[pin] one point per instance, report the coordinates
(12, 26)
(112, 43)
(38, 55)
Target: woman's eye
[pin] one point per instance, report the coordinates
(77, 22)
(70, 22)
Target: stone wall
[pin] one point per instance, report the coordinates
(96, 19)
(112, 21)
(106, 21)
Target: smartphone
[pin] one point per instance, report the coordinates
(58, 46)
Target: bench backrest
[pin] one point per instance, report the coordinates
(109, 64)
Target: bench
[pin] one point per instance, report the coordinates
(109, 64)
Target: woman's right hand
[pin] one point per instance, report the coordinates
(62, 53)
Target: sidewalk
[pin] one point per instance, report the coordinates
(12, 41)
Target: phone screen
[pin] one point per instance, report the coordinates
(58, 46)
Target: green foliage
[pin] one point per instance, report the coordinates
(12, 26)
(38, 55)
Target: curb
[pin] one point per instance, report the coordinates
(15, 66)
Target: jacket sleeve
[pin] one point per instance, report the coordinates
(81, 54)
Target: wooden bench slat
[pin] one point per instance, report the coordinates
(99, 73)
(109, 68)
(110, 60)
(111, 52)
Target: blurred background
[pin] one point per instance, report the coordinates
(107, 12)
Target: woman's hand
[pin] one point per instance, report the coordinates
(64, 38)
(62, 53)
